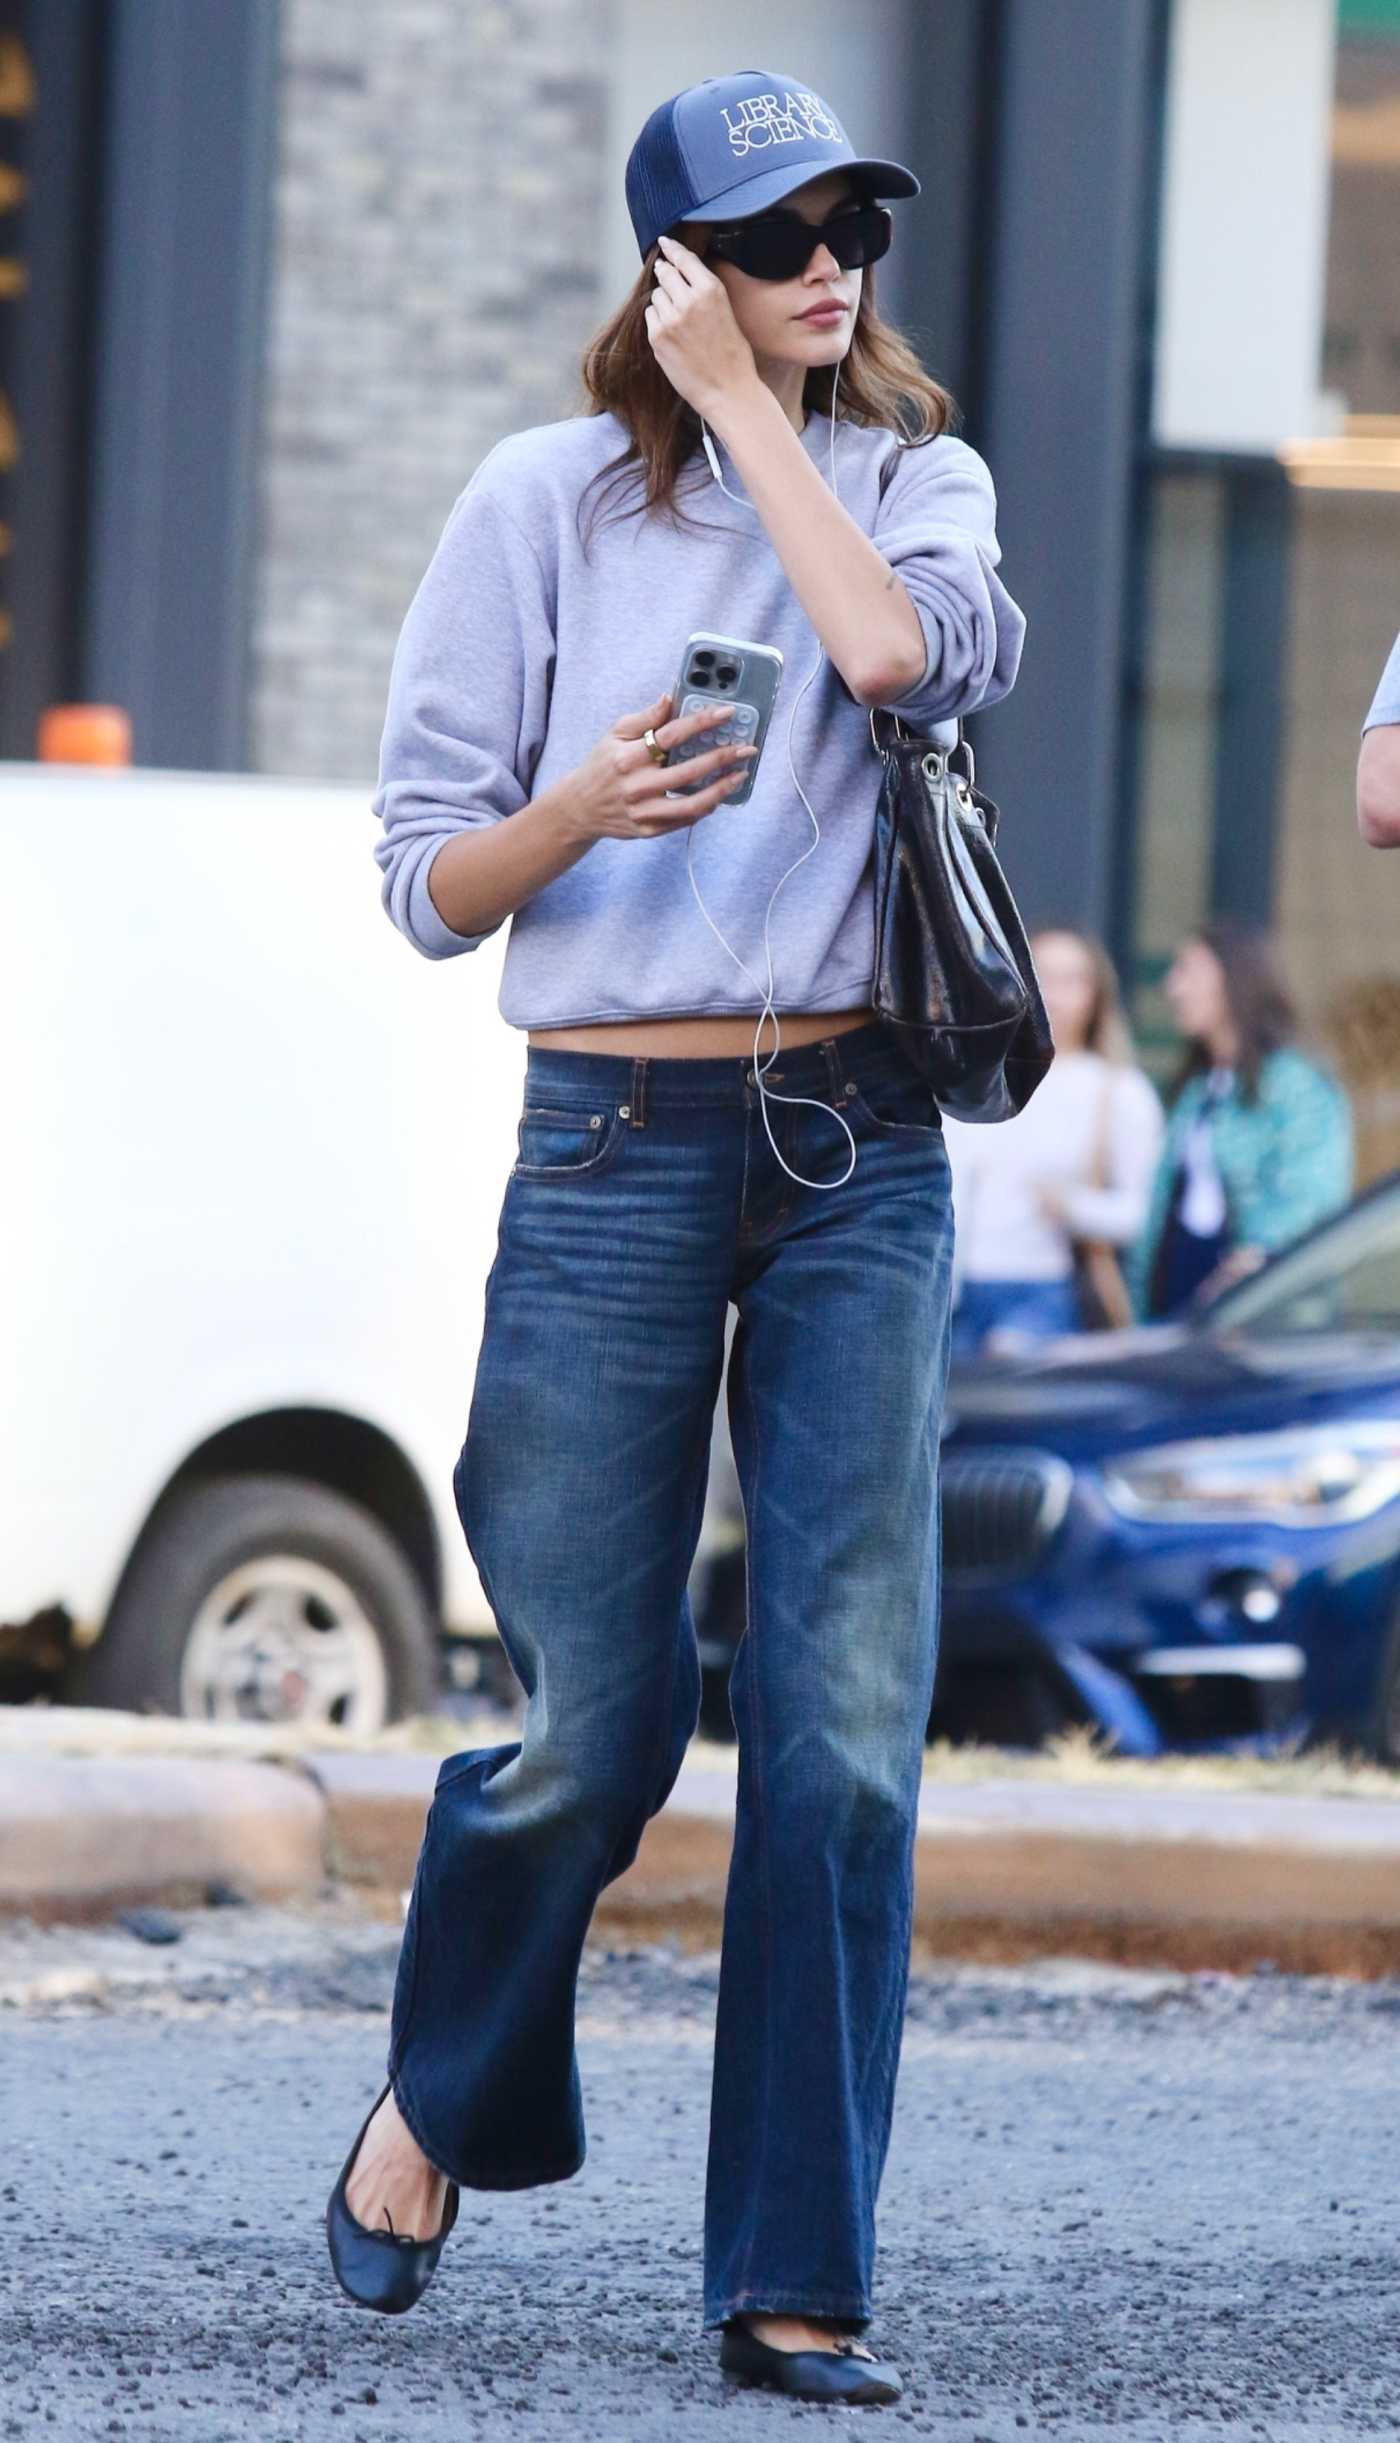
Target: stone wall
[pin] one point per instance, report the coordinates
(435, 278)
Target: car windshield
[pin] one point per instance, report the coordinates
(1346, 1279)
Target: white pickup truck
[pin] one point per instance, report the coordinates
(254, 1152)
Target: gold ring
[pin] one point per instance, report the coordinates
(656, 752)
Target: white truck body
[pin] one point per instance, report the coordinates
(254, 1153)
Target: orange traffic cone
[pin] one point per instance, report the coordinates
(84, 733)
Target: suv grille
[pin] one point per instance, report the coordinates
(1001, 1510)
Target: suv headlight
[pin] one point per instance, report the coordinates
(1321, 1476)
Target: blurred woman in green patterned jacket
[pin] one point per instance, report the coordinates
(1259, 1138)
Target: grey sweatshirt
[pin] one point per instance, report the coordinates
(518, 652)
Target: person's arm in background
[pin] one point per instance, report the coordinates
(1117, 1211)
(1306, 1172)
(1139, 1260)
(1378, 764)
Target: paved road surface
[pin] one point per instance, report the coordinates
(1142, 2206)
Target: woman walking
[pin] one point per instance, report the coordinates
(1045, 1201)
(1259, 1137)
(744, 436)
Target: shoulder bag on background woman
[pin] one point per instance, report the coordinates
(1104, 1301)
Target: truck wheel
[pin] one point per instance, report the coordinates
(266, 1599)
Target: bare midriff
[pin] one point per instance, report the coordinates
(699, 1038)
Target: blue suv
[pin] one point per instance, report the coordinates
(1185, 1536)
(1188, 1536)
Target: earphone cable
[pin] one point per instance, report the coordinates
(768, 1010)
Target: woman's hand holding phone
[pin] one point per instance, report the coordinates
(619, 790)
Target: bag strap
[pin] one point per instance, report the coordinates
(906, 736)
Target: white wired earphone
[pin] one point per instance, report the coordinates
(768, 1010)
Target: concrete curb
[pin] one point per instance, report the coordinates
(81, 1836)
(1005, 1869)
(375, 1809)
(1008, 1870)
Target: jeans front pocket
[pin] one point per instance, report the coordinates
(896, 1101)
(566, 1141)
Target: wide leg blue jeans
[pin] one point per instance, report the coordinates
(647, 1197)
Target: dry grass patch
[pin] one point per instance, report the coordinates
(1076, 1758)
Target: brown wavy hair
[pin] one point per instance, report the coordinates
(1261, 1007)
(1108, 1032)
(881, 382)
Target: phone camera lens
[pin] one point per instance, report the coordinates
(727, 673)
(702, 661)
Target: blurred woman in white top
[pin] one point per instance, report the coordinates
(1073, 1169)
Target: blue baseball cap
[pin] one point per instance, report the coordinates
(732, 145)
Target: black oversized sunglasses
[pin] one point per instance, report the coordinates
(780, 245)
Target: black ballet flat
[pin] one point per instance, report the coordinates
(846, 2373)
(379, 2269)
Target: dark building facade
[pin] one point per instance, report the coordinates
(142, 138)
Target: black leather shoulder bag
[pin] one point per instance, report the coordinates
(953, 971)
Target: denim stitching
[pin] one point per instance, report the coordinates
(918, 1128)
(398, 2045)
(666, 1721)
(789, 1125)
(765, 1850)
(480, 2177)
(575, 1170)
(790, 2303)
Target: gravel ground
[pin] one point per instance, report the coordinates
(1146, 2205)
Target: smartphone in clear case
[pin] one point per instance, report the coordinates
(725, 670)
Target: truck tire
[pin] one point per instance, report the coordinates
(265, 1598)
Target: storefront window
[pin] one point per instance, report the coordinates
(1336, 902)
(1271, 586)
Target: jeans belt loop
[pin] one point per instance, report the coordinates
(637, 1117)
(835, 1074)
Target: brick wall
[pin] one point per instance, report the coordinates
(435, 279)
